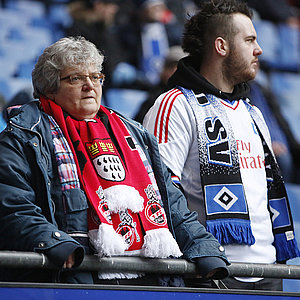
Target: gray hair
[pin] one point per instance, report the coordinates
(66, 52)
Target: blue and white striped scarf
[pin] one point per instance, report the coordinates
(222, 183)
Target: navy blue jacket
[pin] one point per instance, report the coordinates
(35, 215)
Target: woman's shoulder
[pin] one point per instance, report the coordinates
(128, 121)
(31, 107)
(28, 115)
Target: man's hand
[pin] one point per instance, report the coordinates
(279, 148)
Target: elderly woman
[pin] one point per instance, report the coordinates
(77, 178)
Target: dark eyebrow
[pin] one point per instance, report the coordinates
(253, 37)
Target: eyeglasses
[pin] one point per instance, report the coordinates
(95, 78)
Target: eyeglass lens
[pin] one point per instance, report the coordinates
(96, 79)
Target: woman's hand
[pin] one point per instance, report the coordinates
(69, 263)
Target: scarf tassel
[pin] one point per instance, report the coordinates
(285, 249)
(231, 231)
(107, 276)
(159, 243)
(106, 241)
(123, 197)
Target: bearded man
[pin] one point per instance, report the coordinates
(217, 144)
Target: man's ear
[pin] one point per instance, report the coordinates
(221, 46)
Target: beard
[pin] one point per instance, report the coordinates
(237, 70)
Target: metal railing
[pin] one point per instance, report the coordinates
(12, 259)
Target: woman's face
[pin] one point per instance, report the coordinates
(80, 100)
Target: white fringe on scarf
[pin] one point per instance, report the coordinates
(123, 197)
(119, 275)
(159, 243)
(106, 241)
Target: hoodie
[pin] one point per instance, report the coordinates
(188, 76)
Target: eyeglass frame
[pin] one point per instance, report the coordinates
(100, 80)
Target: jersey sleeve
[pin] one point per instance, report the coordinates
(171, 120)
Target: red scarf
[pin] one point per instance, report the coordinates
(121, 194)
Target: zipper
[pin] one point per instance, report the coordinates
(43, 155)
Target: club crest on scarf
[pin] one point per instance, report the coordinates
(154, 211)
(128, 230)
(105, 159)
(104, 210)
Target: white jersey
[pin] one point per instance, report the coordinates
(172, 121)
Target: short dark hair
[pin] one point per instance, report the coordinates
(213, 19)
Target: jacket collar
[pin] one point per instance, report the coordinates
(26, 116)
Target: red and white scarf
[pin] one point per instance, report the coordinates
(125, 215)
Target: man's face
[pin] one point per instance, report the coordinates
(154, 12)
(241, 64)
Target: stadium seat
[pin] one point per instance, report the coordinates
(8, 68)
(11, 86)
(280, 44)
(4, 89)
(268, 40)
(293, 190)
(289, 47)
(286, 88)
(125, 101)
(27, 7)
(25, 69)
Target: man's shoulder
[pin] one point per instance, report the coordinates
(167, 101)
(171, 93)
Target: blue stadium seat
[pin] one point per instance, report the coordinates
(11, 86)
(293, 190)
(8, 68)
(280, 44)
(4, 89)
(289, 47)
(12, 18)
(28, 8)
(14, 51)
(125, 101)
(21, 42)
(59, 14)
(286, 88)
(268, 40)
(25, 69)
